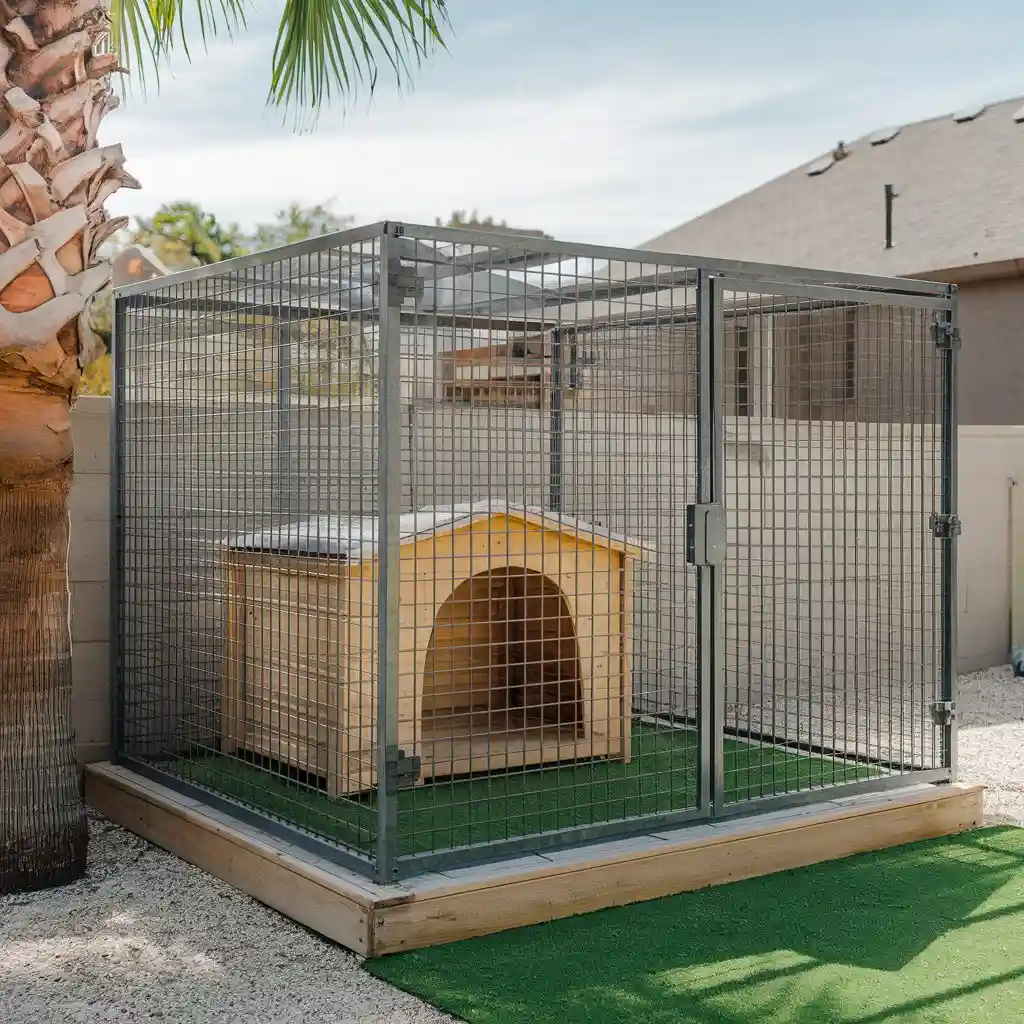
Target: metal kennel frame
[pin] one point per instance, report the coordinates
(432, 546)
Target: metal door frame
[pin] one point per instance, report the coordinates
(711, 309)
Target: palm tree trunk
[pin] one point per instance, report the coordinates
(43, 831)
(54, 90)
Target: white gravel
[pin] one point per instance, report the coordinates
(147, 937)
(990, 713)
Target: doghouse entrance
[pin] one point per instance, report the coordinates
(502, 676)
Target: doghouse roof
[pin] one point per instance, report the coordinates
(356, 539)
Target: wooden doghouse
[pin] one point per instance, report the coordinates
(513, 643)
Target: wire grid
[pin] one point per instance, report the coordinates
(247, 433)
(542, 641)
(402, 565)
(833, 586)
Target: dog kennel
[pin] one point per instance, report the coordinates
(432, 545)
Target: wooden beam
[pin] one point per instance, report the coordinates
(583, 883)
(376, 920)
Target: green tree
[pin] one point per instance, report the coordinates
(183, 234)
(462, 219)
(295, 223)
(54, 179)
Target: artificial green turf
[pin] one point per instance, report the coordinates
(931, 933)
(661, 777)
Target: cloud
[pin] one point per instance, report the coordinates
(615, 140)
(545, 161)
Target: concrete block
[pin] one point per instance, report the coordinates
(90, 671)
(91, 752)
(90, 611)
(89, 557)
(90, 430)
(92, 722)
(90, 498)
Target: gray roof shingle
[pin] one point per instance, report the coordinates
(960, 203)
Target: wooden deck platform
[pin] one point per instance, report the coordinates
(375, 920)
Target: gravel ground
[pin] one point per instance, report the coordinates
(148, 937)
(990, 711)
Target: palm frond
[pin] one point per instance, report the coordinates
(328, 46)
(143, 33)
(134, 37)
(212, 16)
(323, 47)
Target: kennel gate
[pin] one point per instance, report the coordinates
(431, 546)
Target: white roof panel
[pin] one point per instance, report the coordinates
(356, 539)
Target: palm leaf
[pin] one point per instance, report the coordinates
(323, 47)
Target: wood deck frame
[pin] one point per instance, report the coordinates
(375, 920)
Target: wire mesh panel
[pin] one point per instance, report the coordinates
(247, 436)
(435, 545)
(546, 605)
(833, 587)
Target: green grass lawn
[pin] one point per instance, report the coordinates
(931, 933)
(662, 776)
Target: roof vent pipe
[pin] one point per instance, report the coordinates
(890, 195)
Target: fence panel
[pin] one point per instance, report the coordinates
(834, 598)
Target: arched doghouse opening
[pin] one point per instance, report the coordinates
(503, 660)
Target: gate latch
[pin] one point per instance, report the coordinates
(705, 534)
(946, 335)
(402, 772)
(945, 526)
(943, 712)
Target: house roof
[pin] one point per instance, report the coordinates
(136, 263)
(959, 205)
(356, 539)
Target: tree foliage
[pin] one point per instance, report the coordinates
(183, 234)
(462, 219)
(297, 222)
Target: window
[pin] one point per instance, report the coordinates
(816, 363)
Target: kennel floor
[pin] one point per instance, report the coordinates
(448, 813)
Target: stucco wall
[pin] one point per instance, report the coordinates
(991, 457)
(89, 573)
(991, 317)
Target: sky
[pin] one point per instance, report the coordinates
(591, 120)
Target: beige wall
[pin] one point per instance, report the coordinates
(990, 457)
(89, 572)
(991, 315)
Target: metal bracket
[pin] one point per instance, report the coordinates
(401, 771)
(705, 534)
(947, 336)
(403, 283)
(945, 527)
(944, 712)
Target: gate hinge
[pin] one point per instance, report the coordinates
(705, 534)
(401, 771)
(946, 335)
(944, 712)
(945, 527)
